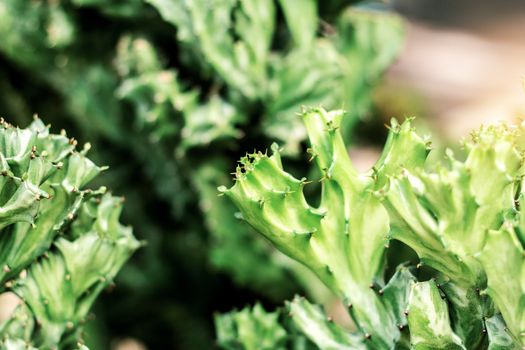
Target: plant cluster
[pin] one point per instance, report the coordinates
(462, 214)
(61, 242)
(168, 92)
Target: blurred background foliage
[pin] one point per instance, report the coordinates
(170, 92)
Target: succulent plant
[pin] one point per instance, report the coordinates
(61, 242)
(461, 216)
(168, 92)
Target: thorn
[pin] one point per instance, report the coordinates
(368, 336)
(405, 312)
(6, 269)
(313, 154)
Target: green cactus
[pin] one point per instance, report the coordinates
(61, 243)
(168, 92)
(330, 239)
(253, 328)
(463, 219)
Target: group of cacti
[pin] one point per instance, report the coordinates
(61, 242)
(461, 214)
(168, 92)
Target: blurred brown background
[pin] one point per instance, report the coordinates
(466, 59)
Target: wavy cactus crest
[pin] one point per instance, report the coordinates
(61, 243)
(330, 239)
(463, 218)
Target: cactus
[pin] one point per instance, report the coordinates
(168, 91)
(463, 219)
(61, 243)
(253, 328)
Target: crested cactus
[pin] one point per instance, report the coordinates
(462, 216)
(61, 243)
(168, 92)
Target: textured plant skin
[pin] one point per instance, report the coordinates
(61, 243)
(452, 211)
(462, 216)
